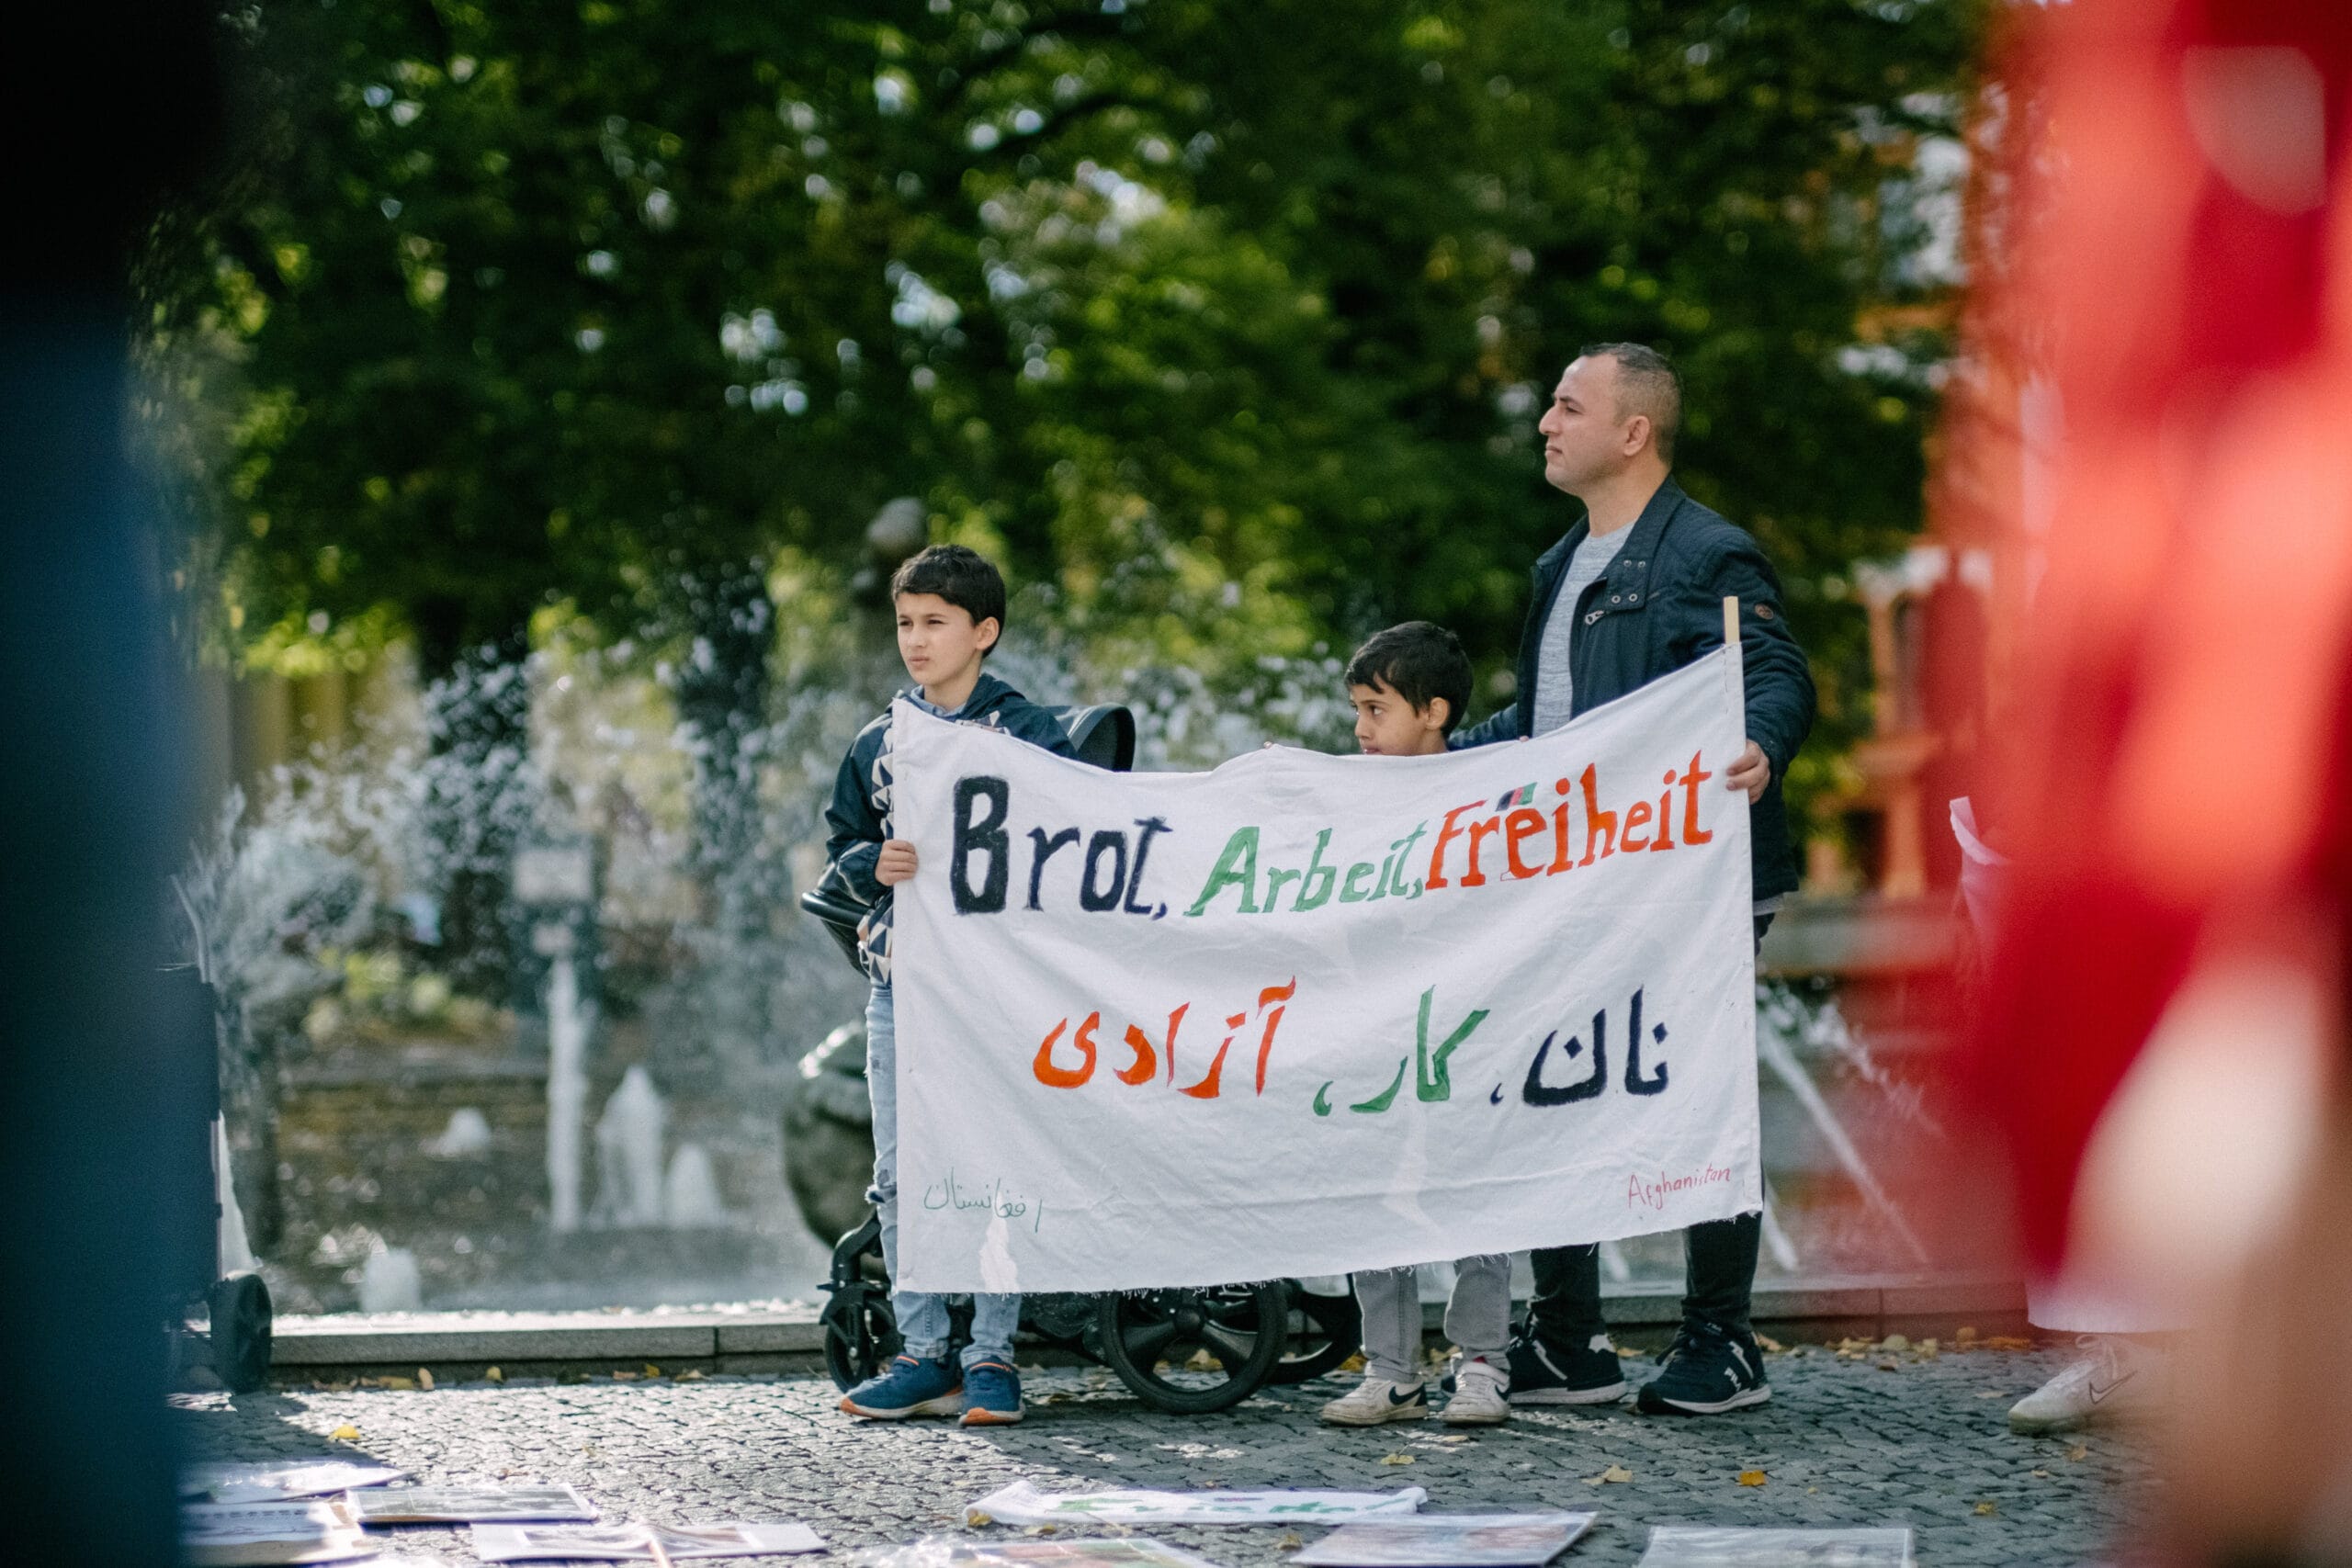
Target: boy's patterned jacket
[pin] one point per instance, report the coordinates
(859, 817)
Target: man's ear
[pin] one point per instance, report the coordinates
(987, 632)
(1440, 711)
(1641, 432)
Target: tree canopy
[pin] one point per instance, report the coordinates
(1224, 323)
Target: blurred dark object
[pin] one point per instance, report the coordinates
(123, 104)
(213, 1269)
(829, 1135)
(1103, 737)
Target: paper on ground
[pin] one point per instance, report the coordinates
(1449, 1541)
(275, 1481)
(1688, 1546)
(231, 1535)
(519, 1543)
(469, 1505)
(948, 1551)
(1021, 1504)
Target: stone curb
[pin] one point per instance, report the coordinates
(1817, 1309)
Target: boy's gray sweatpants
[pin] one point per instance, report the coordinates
(1478, 1317)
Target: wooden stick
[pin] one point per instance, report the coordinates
(1731, 618)
(653, 1544)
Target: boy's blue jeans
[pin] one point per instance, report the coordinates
(923, 1316)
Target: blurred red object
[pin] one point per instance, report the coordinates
(2172, 261)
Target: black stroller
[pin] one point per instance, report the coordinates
(1186, 1351)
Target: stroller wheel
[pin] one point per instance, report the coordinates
(241, 1336)
(860, 1334)
(1191, 1351)
(1324, 1332)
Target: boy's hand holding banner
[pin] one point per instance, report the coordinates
(1309, 1014)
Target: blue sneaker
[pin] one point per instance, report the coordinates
(991, 1394)
(907, 1387)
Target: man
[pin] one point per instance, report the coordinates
(1636, 589)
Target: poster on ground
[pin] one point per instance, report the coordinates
(1689, 1546)
(470, 1505)
(635, 1542)
(959, 1552)
(1022, 1504)
(1304, 1014)
(1449, 1541)
(248, 1535)
(264, 1481)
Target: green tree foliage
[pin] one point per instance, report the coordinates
(1225, 322)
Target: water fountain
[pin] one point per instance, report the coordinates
(690, 1199)
(628, 1153)
(468, 1134)
(391, 1281)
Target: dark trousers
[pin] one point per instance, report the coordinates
(1719, 1262)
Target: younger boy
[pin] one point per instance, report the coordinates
(1409, 685)
(950, 607)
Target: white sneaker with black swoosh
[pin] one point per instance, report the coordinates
(2117, 1379)
(1375, 1401)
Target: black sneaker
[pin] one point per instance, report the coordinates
(1546, 1374)
(1709, 1369)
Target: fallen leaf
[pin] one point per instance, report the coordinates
(424, 1379)
(1966, 1334)
(651, 1370)
(974, 1517)
(494, 1375)
(2038, 1474)
(1890, 1365)
(1397, 1459)
(1614, 1473)
(1985, 1510)
(1289, 1543)
(1043, 1530)
(347, 1433)
(1355, 1363)
(2006, 1342)
(1751, 1478)
(1930, 1345)
(1989, 1393)
(2079, 1451)
(1894, 1342)
(623, 1377)
(1202, 1361)
(1768, 1343)
(404, 1383)
(694, 1375)
(1455, 1437)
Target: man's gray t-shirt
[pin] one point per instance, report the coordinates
(1555, 687)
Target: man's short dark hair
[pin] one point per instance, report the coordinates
(1417, 660)
(962, 576)
(1647, 384)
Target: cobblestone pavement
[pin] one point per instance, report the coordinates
(1842, 1442)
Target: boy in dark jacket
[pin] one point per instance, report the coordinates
(950, 606)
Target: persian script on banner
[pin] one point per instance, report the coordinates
(1307, 1014)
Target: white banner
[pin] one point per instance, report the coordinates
(1307, 1014)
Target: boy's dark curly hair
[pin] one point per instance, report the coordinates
(1417, 660)
(962, 576)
